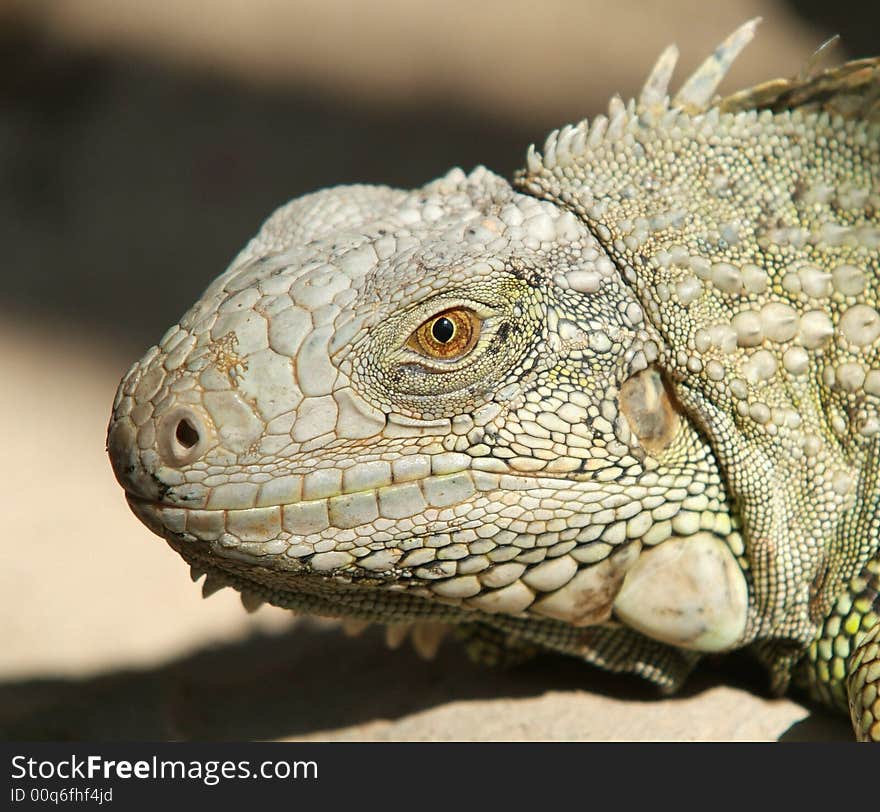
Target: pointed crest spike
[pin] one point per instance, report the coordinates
(656, 87)
(213, 583)
(396, 633)
(533, 162)
(251, 601)
(813, 66)
(196, 572)
(698, 90)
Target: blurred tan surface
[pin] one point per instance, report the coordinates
(518, 56)
(136, 168)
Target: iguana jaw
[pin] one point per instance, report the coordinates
(706, 610)
(303, 593)
(384, 586)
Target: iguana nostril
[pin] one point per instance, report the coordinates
(187, 434)
(182, 436)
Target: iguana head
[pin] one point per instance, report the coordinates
(641, 386)
(626, 408)
(439, 404)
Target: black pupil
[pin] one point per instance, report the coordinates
(443, 330)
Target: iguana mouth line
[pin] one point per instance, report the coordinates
(484, 479)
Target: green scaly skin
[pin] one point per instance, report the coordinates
(625, 409)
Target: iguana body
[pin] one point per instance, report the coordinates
(628, 411)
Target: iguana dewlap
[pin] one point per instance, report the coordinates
(627, 408)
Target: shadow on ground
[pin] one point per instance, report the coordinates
(309, 680)
(271, 686)
(817, 727)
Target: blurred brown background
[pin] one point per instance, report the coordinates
(141, 144)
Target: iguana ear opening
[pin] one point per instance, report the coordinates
(650, 409)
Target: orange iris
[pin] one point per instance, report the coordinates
(448, 335)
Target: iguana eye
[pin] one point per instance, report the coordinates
(448, 335)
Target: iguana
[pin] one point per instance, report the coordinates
(626, 408)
